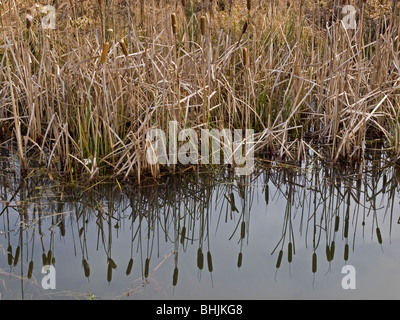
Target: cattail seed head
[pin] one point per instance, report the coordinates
(249, 5)
(123, 47)
(28, 18)
(245, 57)
(203, 22)
(174, 23)
(244, 27)
(106, 45)
(184, 3)
(109, 33)
(71, 22)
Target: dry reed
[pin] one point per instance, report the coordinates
(288, 70)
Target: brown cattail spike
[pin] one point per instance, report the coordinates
(245, 57)
(184, 3)
(105, 52)
(123, 47)
(249, 5)
(203, 21)
(244, 28)
(29, 18)
(174, 23)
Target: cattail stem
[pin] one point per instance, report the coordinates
(16, 121)
(142, 13)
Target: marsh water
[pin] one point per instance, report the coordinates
(285, 232)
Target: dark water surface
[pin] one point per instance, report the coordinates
(204, 237)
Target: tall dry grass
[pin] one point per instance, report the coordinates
(83, 96)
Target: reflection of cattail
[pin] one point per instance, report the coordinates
(129, 268)
(146, 267)
(105, 52)
(16, 257)
(109, 273)
(183, 232)
(49, 254)
(200, 259)
(346, 252)
(123, 47)
(290, 252)
(209, 261)
(278, 262)
(30, 269)
(9, 255)
(174, 23)
(62, 227)
(328, 252)
(346, 227)
(240, 258)
(203, 25)
(86, 268)
(379, 236)
(243, 230)
(332, 251)
(337, 221)
(112, 263)
(314, 262)
(175, 277)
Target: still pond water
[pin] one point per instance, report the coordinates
(205, 237)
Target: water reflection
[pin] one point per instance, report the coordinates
(333, 203)
(168, 238)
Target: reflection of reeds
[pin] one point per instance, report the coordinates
(306, 85)
(342, 195)
(326, 206)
